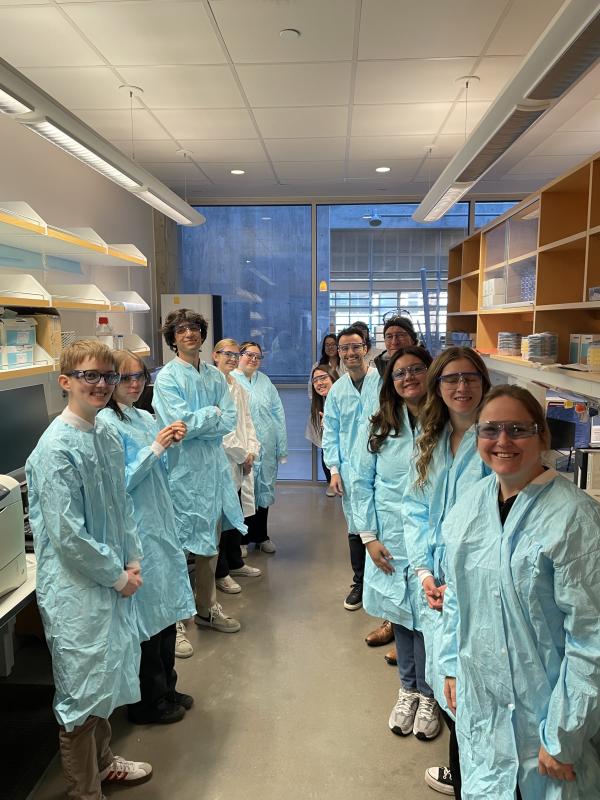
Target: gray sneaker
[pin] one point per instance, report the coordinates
(427, 719)
(403, 713)
(218, 620)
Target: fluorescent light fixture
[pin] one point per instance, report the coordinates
(451, 196)
(238, 171)
(382, 169)
(62, 139)
(9, 104)
(164, 208)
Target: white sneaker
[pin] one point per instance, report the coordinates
(218, 620)
(228, 585)
(183, 646)
(244, 550)
(329, 491)
(122, 771)
(267, 546)
(427, 719)
(403, 713)
(246, 571)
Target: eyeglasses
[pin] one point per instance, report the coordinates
(404, 372)
(397, 337)
(351, 348)
(514, 430)
(193, 327)
(252, 356)
(94, 376)
(229, 354)
(321, 379)
(454, 378)
(128, 377)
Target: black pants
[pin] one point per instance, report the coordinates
(157, 674)
(454, 762)
(257, 527)
(230, 553)
(357, 558)
(325, 470)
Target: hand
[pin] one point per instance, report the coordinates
(450, 693)
(434, 594)
(134, 581)
(548, 765)
(179, 430)
(247, 464)
(336, 484)
(381, 557)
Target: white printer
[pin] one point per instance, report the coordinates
(13, 567)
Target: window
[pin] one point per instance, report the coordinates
(486, 212)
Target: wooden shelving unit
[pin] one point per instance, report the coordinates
(547, 251)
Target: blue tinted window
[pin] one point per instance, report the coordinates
(486, 212)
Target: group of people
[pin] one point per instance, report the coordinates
(482, 562)
(119, 501)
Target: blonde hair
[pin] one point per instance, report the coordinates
(435, 413)
(225, 343)
(75, 353)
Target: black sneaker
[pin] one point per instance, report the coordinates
(354, 599)
(180, 699)
(164, 714)
(440, 779)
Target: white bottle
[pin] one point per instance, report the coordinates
(119, 342)
(104, 332)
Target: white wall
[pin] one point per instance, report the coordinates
(67, 194)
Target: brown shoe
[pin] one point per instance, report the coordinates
(391, 657)
(384, 634)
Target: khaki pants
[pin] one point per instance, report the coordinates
(204, 580)
(85, 752)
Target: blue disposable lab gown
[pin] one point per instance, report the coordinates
(424, 509)
(84, 535)
(525, 601)
(378, 483)
(199, 473)
(166, 595)
(268, 417)
(343, 411)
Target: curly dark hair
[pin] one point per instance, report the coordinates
(175, 318)
(387, 421)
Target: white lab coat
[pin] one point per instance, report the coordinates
(239, 443)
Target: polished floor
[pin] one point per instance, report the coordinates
(293, 706)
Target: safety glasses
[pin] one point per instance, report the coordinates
(94, 376)
(229, 354)
(183, 327)
(454, 378)
(514, 430)
(404, 372)
(320, 379)
(252, 356)
(351, 348)
(129, 377)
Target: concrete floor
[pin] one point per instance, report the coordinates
(293, 706)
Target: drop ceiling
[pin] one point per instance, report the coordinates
(368, 83)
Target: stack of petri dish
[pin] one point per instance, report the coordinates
(509, 343)
(542, 347)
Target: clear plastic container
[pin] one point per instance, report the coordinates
(104, 332)
(593, 357)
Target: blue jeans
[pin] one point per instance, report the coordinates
(410, 648)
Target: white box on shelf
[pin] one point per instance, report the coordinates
(16, 355)
(17, 331)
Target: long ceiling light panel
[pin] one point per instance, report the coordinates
(26, 103)
(568, 48)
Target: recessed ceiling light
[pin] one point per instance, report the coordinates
(238, 171)
(382, 169)
(290, 33)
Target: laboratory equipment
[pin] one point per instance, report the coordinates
(13, 567)
(23, 419)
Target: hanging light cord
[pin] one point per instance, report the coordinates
(131, 124)
(466, 105)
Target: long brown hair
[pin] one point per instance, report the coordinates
(388, 420)
(529, 403)
(317, 402)
(120, 357)
(435, 413)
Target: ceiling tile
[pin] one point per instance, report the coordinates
(560, 144)
(456, 122)
(401, 170)
(40, 36)
(545, 165)
(587, 119)
(327, 30)
(184, 86)
(150, 151)
(289, 123)
(431, 169)
(81, 87)
(416, 118)
(208, 124)
(524, 23)
(307, 149)
(389, 147)
(149, 33)
(166, 172)
(113, 124)
(410, 81)
(296, 84)
(429, 28)
(224, 151)
(303, 171)
(494, 74)
(221, 173)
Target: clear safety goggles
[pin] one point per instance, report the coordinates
(514, 430)
(351, 348)
(229, 354)
(252, 356)
(454, 378)
(129, 377)
(404, 372)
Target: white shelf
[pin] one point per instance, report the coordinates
(136, 344)
(42, 362)
(78, 297)
(23, 290)
(586, 384)
(127, 301)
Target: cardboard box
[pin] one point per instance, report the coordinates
(16, 355)
(16, 331)
(48, 333)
